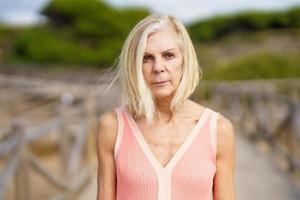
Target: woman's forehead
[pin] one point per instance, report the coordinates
(162, 41)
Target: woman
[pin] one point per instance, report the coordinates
(159, 145)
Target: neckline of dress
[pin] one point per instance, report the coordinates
(179, 152)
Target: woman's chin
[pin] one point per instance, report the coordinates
(162, 93)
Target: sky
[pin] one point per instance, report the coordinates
(25, 12)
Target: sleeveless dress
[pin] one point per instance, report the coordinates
(187, 176)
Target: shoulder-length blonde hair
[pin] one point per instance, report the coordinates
(135, 92)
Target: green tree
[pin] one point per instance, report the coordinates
(78, 32)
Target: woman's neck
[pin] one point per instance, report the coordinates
(163, 111)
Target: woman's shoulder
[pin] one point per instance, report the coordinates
(225, 133)
(223, 122)
(108, 119)
(225, 136)
(108, 127)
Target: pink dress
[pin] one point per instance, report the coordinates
(187, 176)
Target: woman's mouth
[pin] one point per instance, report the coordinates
(161, 83)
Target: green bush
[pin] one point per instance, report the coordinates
(77, 32)
(221, 25)
(257, 66)
(42, 46)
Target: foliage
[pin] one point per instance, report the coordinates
(91, 32)
(249, 21)
(257, 66)
(79, 32)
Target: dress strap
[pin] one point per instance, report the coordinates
(213, 129)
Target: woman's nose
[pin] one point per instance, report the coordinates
(159, 65)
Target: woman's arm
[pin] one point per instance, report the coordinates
(106, 136)
(224, 180)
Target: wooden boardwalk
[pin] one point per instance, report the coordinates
(257, 176)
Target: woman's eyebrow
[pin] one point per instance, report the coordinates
(165, 51)
(168, 50)
(146, 53)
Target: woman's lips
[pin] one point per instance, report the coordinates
(161, 83)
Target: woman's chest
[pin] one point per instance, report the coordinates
(164, 141)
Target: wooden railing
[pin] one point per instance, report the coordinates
(73, 126)
(256, 108)
(259, 110)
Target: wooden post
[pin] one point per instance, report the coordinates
(90, 106)
(22, 181)
(66, 100)
(295, 130)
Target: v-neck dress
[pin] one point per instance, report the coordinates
(187, 176)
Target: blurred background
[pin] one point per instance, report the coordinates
(57, 62)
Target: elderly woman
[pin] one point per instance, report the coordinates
(160, 145)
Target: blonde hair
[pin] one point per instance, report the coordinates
(135, 92)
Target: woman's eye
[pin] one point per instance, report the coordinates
(147, 58)
(169, 55)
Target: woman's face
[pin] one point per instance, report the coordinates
(162, 63)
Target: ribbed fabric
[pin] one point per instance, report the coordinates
(187, 176)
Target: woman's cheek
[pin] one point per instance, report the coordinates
(146, 70)
(177, 62)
